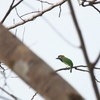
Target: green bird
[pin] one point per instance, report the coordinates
(66, 61)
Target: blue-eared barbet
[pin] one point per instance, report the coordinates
(66, 61)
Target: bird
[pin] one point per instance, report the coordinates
(66, 61)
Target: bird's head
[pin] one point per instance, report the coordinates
(60, 57)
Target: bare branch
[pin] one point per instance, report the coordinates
(96, 68)
(34, 96)
(10, 9)
(88, 3)
(85, 3)
(97, 80)
(39, 14)
(18, 14)
(2, 67)
(78, 68)
(60, 10)
(23, 35)
(75, 67)
(14, 97)
(98, 58)
(45, 2)
(29, 13)
(95, 8)
(17, 4)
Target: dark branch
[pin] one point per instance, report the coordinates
(17, 4)
(95, 8)
(91, 4)
(34, 96)
(10, 9)
(78, 68)
(75, 67)
(8, 12)
(29, 13)
(98, 58)
(90, 66)
(60, 10)
(15, 98)
(18, 14)
(45, 2)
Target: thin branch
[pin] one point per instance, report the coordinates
(90, 66)
(98, 58)
(96, 68)
(23, 35)
(45, 2)
(97, 80)
(2, 67)
(9, 94)
(17, 4)
(18, 14)
(74, 67)
(34, 96)
(39, 14)
(78, 68)
(95, 8)
(29, 13)
(8, 12)
(60, 10)
(16, 28)
(10, 9)
(89, 3)
(42, 3)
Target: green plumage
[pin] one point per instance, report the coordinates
(66, 61)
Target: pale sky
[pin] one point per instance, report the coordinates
(49, 36)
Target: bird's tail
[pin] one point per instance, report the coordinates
(70, 70)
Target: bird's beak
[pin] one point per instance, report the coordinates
(57, 58)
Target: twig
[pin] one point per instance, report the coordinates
(97, 80)
(29, 13)
(34, 96)
(39, 14)
(17, 4)
(89, 3)
(95, 8)
(96, 68)
(75, 67)
(18, 14)
(9, 94)
(98, 58)
(2, 67)
(45, 2)
(60, 10)
(10, 9)
(23, 35)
